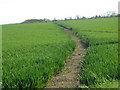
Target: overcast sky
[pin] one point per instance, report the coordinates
(15, 11)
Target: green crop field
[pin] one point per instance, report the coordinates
(33, 53)
(99, 69)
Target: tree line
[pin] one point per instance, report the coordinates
(77, 17)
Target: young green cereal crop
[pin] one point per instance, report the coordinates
(33, 53)
(101, 59)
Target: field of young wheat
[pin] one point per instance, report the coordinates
(33, 53)
(99, 69)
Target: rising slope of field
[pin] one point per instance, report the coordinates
(101, 60)
(33, 53)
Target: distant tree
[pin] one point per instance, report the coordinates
(36, 20)
(83, 17)
(54, 20)
(96, 16)
(70, 18)
(99, 16)
(110, 14)
(46, 20)
(65, 19)
(113, 14)
(77, 17)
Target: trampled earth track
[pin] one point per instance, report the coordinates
(70, 76)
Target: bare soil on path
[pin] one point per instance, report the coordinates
(70, 76)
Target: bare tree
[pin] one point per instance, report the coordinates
(110, 14)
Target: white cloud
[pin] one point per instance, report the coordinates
(15, 11)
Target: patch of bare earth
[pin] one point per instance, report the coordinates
(69, 78)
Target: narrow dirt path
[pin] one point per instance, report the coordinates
(69, 78)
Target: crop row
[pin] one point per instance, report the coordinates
(97, 38)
